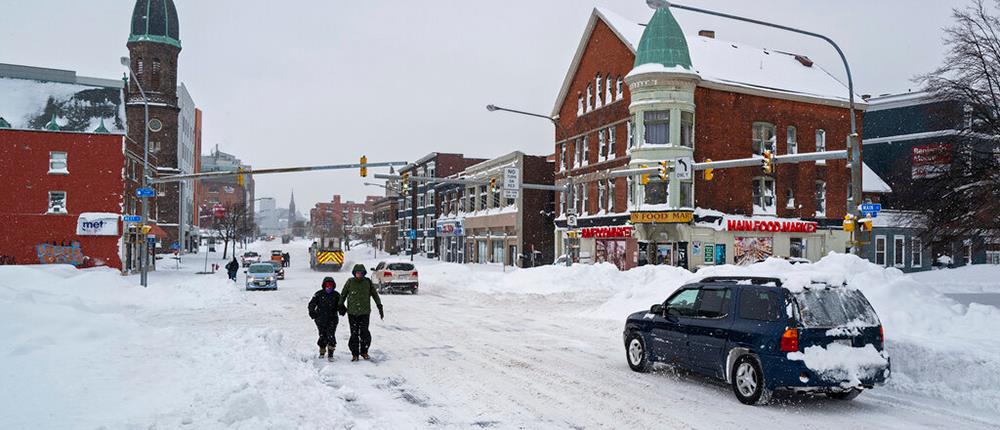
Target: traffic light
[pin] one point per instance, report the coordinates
(848, 223)
(644, 178)
(663, 171)
(493, 185)
(405, 180)
(240, 179)
(768, 166)
(865, 224)
(364, 166)
(709, 173)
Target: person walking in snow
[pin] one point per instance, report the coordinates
(358, 293)
(323, 309)
(232, 268)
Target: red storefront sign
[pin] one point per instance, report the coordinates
(606, 232)
(773, 226)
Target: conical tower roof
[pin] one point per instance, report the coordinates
(663, 42)
(155, 21)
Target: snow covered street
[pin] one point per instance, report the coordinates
(477, 348)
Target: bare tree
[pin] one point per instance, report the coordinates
(962, 200)
(233, 226)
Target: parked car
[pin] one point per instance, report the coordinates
(394, 277)
(249, 258)
(759, 337)
(261, 276)
(279, 269)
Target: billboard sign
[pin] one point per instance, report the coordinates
(97, 224)
(930, 161)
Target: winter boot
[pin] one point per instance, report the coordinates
(366, 357)
(329, 353)
(354, 358)
(322, 351)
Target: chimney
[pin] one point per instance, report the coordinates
(707, 33)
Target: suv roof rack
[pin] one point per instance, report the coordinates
(754, 280)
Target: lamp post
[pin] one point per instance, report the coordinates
(570, 208)
(144, 244)
(854, 149)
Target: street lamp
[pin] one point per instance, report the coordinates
(569, 179)
(855, 145)
(144, 244)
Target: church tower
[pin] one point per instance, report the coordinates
(154, 45)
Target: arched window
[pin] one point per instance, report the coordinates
(140, 66)
(579, 103)
(590, 97)
(156, 74)
(619, 93)
(598, 94)
(608, 96)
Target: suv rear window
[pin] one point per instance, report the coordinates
(833, 307)
(400, 266)
(761, 305)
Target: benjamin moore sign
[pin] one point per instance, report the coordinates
(97, 224)
(665, 217)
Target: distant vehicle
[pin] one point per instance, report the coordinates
(262, 276)
(326, 254)
(249, 258)
(286, 238)
(760, 337)
(279, 269)
(394, 277)
(277, 255)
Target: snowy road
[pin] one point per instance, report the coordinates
(451, 357)
(454, 358)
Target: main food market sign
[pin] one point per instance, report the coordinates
(665, 217)
(770, 226)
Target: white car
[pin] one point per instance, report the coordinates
(394, 276)
(250, 257)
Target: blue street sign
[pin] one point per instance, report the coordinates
(413, 234)
(132, 218)
(871, 207)
(145, 192)
(175, 245)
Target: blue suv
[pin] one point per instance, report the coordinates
(760, 337)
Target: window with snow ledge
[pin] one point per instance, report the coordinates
(686, 194)
(820, 144)
(898, 251)
(763, 196)
(820, 198)
(590, 97)
(880, 250)
(763, 138)
(793, 144)
(687, 129)
(584, 200)
(619, 93)
(630, 134)
(579, 104)
(790, 199)
(916, 256)
(630, 192)
(655, 192)
(602, 197)
(562, 156)
(602, 153)
(586, 152)
(657, 127)
(57, 202)
(608, 96)
(57, 163)
(611, 194)
(611, 141)
(577, 152)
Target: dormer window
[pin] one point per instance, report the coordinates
(57, 163)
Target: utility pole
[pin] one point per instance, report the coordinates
(144, 244)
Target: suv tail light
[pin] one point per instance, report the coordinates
(414, 274)
(881, 335)
(790, 340)
(388, 274)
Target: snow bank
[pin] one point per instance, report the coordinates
(90, 349)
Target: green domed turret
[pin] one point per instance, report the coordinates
(155, 21)
(663, 42)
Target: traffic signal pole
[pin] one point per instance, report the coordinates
(204, 175)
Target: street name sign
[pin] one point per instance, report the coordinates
(132, 218)
(145, 192)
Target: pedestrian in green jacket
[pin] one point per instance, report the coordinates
(357, 294)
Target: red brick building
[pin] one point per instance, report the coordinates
(636, 95)
(62, 199)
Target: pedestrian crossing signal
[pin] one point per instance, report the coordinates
(364, 166)
(663, 172)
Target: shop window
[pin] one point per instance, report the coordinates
(898, 251)
(709, 251)
(789, 199)
(820, 198)
(793, 144)
(797, 248)
(57, 163)
(820, 144)
(655, 193)
(686, 194)
(57, 202)
(497, 254)
(916, 252)
(880, 250)
(657, 127)
(687, 129)
(763, 196)
(763, 138)
(611, 141)
(611, 194)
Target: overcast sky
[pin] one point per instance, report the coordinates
(323, 82)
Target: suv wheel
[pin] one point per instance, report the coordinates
(636, 353)
(845, 395)
(748, 382)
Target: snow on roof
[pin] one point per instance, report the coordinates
(730, 66)
(871, 182)
(30, 104)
